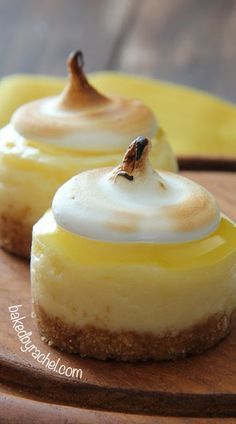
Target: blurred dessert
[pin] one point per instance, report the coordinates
(51, 139)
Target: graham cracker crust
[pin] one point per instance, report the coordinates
(130, 345)
(15, 233)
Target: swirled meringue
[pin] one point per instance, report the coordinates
(83, 119)
(134, 203)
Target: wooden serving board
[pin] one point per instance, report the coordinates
(199, 386)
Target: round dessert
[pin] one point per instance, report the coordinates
(133, 264)
(51, 139)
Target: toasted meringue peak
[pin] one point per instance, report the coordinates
(78, 93)
(134, 203)
(135, 159)
(81, 118)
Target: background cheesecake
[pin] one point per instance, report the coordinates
(51, 139)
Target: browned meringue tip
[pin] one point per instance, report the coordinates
(75, 66)
(79, 93)
(135, 159)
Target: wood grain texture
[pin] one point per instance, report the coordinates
(187, 41)
(204, 163)
(199, 386)
(13, 406)
(223, 186)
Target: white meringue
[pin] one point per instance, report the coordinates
(83, 119)
(134, 203)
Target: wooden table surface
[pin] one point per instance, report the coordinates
(187, 41)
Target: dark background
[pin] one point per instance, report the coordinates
(187, 41)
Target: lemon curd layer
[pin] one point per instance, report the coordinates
(114, 285)
(31, 172)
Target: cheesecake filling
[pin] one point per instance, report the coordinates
(145, 287)
(82, 119)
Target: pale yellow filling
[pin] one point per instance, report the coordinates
(31, 172)
(134, 286)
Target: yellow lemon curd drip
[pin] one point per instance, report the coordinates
(198, 253)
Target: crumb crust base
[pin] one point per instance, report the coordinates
(15, 234)
(92, 342)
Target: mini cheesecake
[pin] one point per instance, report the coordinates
(133, 264)
(51, 139)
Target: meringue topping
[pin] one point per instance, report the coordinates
(81, 118)
(135, 203)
